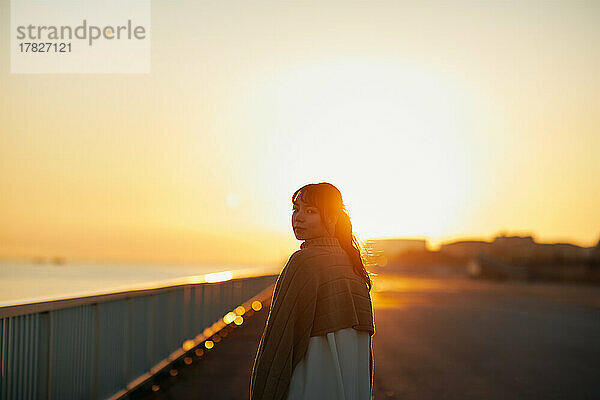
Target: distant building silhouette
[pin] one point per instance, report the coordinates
(505, 257)
(465, 248)
(393, 247)
(512, 248)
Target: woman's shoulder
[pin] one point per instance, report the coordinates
(306, 259)
(300, 257)
(311, 255)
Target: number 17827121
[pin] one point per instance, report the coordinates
(44, 47)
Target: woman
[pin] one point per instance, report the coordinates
(317, 340)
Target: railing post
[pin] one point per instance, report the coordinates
(186, 312)
(50, 353)
(96, 345)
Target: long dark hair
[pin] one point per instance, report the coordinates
(328, 200)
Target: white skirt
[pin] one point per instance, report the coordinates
(335, 367)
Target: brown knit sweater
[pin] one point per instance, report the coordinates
(317, 292)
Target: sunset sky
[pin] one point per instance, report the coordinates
(441, 120)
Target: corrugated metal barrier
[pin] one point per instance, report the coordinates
(104, 346)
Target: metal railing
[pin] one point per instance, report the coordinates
(105, 345)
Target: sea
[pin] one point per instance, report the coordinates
(26, 282)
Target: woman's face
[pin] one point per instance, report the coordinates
(306, 221)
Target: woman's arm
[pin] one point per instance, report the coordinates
(285, 339)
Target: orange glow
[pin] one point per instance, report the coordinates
(238, 320)
(188, 345)
(256, 305)
(240, 310)
(209, 344)
(195, 279)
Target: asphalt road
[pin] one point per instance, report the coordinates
(461, 339)
(443, 338)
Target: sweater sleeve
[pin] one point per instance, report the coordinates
(287, 333)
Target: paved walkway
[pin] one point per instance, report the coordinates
(222, 372)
